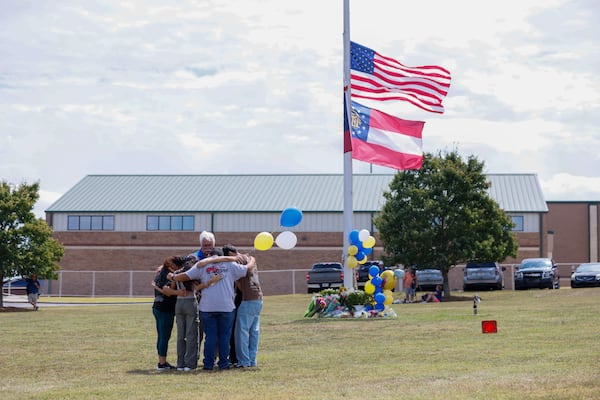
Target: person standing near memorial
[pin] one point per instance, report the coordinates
(163, 307)
(247, 324)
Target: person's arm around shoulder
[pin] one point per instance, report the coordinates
(169, 290)
(251, 265)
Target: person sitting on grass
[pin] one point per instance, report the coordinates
(435, 297)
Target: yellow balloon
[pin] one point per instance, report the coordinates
(352, 263)
(389, 297)
(369, 287)
(369, 242)
(263, 241)
(389, 279)
(364, 260)
(352, 250)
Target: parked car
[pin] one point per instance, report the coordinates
(362, 272)
(483, 275)
(537, 273)
(15, 285)
(586, 275)
(325, 275)
(428, 279)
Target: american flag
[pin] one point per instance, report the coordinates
(381, 78)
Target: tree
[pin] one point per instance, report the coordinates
(442, 215)
(26, 242)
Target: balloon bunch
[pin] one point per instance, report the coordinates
(380, 285)
(361, 245)
(286, 240)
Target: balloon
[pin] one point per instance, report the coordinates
(376, 281)
(389, 280)
(367, 251)
(286, 240)
(389, 297)
(263, 241)
(352, 263)
(291, 216)
(379, 298)
(369, 288)
(380, 306)
(352, 250)
(399, 273)
(369, 242)
(362, 260)
(374, 271)
(360, 255)
(364, 235)
(354, 237)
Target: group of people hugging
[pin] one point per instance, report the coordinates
(214, 296)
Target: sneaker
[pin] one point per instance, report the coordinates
(188, 369)
(164, 367)
(180, 369)
(35, 308)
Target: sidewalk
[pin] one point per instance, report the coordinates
(11, 300)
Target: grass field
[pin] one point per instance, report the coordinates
(547, 347)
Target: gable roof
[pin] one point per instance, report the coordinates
(262, 193)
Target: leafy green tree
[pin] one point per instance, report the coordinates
(442, 215)
(26, 242)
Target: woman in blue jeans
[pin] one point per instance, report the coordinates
(247, 325)
(163, 308)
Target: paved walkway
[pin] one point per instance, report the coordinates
(11, 300)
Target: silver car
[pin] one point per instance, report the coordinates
(483, 275)
(428, 279)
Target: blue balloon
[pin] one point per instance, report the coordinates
(291, 216)
(374, 271)
(379, 298)
(376, 281)
(354, 238)
(360, 255)
(368, 250)
(380, 306)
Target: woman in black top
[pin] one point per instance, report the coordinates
(165, 298)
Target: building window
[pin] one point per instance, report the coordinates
(170, 223)
(91, 222)
(517, 222)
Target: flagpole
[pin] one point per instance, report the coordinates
(348, 272)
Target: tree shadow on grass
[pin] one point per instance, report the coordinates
(14, 309)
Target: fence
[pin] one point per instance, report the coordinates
(273, 282)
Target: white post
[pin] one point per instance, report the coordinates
(348, 272)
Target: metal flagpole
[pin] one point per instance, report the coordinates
(348, 272)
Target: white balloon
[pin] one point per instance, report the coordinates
(364, 235)
(286, 240)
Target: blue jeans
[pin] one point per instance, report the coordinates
(164, 327)
(217, 330)
(247, 330)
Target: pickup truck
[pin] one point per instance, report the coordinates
(325, 275)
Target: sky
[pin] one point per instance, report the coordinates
(255, 87)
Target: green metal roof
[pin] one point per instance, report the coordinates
(261, 193)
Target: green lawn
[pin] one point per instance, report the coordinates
(547, 347)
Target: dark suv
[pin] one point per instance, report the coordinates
(483, 275)
(537, 273)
